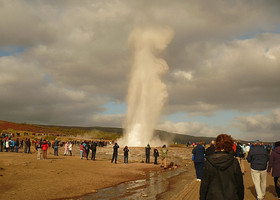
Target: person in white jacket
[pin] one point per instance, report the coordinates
(70, 148)
(66, 147)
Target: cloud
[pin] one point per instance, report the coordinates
(264, 127)
(191, 128)
(114, 120)
(76, 56)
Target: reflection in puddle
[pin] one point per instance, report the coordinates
(154, 184)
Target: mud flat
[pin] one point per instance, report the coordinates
(64, 177)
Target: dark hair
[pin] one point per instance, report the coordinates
(277, 144)
(224, 142)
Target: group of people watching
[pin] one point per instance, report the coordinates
(148, 148)
(220, 168)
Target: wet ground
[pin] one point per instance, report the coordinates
(162, 184)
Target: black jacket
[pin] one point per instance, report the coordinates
(210, 150)
(258, 157)
(198, 152)
(222, 178)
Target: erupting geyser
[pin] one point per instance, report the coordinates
(146, 93)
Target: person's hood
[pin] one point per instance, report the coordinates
(277, 150)
(221, 160)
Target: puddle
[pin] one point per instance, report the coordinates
(154, 184)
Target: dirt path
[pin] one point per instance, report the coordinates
(191, 191)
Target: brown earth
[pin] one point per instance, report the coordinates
(25, 177)
(191, 191)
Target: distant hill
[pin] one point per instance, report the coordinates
(111, 133)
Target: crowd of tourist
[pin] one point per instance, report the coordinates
(220, 167)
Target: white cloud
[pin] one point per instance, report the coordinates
(191, 128)
(264, 127)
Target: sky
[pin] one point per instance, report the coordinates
(69, 63)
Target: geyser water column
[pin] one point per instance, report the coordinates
(147, 93)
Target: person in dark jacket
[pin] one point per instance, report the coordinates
(1, 145)
(55, 147)
(156, 155)
(198, 153)
(125, 153)
(210, 150)
(148, 151)
(222, 177)
(115, 153)
(258, 157)
(274, 164)
(17, 145)
(93, 150)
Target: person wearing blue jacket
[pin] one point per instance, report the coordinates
(258, 157)
(198, 159)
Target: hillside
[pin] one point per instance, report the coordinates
(94, 132)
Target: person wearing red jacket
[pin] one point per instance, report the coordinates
(45, 147)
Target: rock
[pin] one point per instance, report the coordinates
(144, 195)
(94, 191)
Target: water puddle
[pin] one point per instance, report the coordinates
(154, 184)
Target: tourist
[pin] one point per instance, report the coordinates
(12, 142)
(93, 150)
(39, 149)
(164, 151)
(66, 149)
(70, 147)
(247, 149)
(258, 157)
(274, 164)
(28, 145)
(86, 149)
(240, 154)
(7, 146)
(17, 145)
(147, 152)
(125, 153)
(156, 155)
(55, 147)
(115, 153)
(198, 159)
(82, 150)
(1, 144)
(45, 147)
(211, 149)
(222, 177)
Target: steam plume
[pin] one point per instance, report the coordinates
(147, 93)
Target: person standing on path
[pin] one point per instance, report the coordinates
(82, 150)
(39, 149)
(258, 157)
(156, 155)
(210, 150)
(55, 147)
(93, 150)
(240, 154)
(274, 164)
(198, 153)
(148, 151)
(125, 153)
(115, 153)
(66, 149)
(70, 147)
(45, 147)
(164, 151)
(222, 177)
